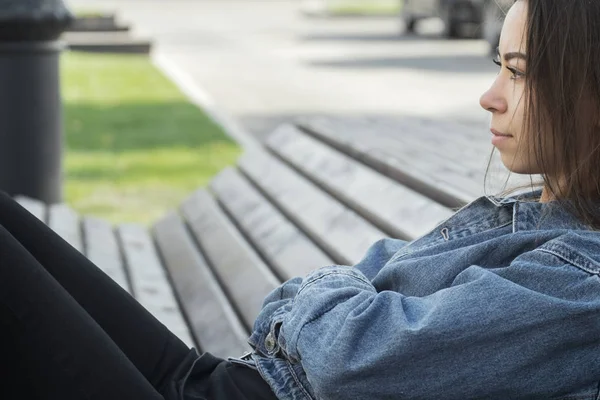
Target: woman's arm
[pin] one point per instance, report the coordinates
(278, 302)
(529, 329)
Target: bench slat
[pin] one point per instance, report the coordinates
(400, 211)
(149, 282)
(414, 168)
(35, 207)
(460, 160)
(243, 275)
(213, 321)
(279, 241)
(457, 165)
(340, 231)
(102, 248)
(64, 221)
(444, 138)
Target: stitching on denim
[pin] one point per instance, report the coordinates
(567, 252)
(407, 251)
(297, 380)
(294, 341)
(320, 277)
(296, 337)
(569, 261)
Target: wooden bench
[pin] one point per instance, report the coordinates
(321, 191)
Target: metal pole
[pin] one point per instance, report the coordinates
(31, 127)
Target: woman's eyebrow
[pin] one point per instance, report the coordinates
(514, 54)
(511, 55)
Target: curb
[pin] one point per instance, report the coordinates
(198, 96)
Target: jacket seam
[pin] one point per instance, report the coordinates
(408, 251)
(296, 337)
(312, 281)
(570, 261)
(300, 385)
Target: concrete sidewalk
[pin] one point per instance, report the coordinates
(263, 62)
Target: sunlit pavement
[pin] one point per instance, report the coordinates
(263, 62)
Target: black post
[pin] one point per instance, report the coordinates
(31, 126)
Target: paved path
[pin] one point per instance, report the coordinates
(263, 62)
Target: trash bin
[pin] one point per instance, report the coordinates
(31, 126)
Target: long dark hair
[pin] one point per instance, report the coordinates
(562, 102)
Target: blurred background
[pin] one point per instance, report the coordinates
(144, 130)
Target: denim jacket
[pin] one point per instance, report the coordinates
(500, 301)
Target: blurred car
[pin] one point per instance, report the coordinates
(487, 15)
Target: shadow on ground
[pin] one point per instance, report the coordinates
(366, 37)
(455, 64)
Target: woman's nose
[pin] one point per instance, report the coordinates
(493, 101)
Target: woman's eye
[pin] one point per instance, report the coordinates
(515, 73)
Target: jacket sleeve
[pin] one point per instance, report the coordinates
(378, 255)
(278, 302)
(520, 331)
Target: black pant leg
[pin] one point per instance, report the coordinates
(146, 342)
(213, 378)
(51, 347)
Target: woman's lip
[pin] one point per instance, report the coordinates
(499, 138)
(496, 133)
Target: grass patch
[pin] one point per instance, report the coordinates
(364, 7)
(135, 147)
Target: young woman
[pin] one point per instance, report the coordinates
(501, 301)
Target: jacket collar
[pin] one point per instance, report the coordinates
(529, 214)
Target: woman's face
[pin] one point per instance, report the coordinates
(506, 97)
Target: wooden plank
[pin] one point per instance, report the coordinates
(400, 211)
(443, 160)
(35, 207)
(402, 164)
(64, 221)
(344, 234)
(459, 164)
(242, 274)
(281, 243)
(102, 248)
(434, 134)
(437, 135)
(215, 325)
(149, 282)
(444, 142)
(466, 148)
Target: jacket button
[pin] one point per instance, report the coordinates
(270, 343)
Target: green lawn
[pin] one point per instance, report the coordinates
(364, 7)
(135, 147)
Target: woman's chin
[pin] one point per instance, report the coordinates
(518, 169)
